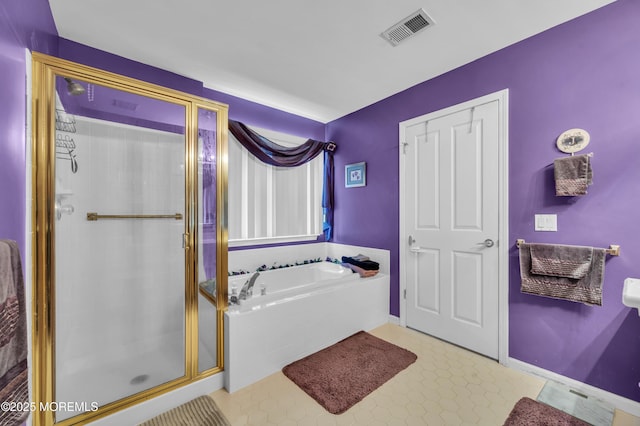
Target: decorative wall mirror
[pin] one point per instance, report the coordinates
(573, 140)
(130, 250)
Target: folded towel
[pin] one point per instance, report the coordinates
(587, 289)
(360, 257)
(561, 260)
(13, 335)
(363, 272)
(573, 175)
(368, 265)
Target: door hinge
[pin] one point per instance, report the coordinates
(404, 147)
(405, 293)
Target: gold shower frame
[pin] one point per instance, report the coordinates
(45, 69)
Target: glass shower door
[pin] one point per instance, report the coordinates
(119, 232)
(207, 238)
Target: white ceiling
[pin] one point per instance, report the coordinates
(320, 59)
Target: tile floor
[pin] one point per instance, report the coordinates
(447, 385)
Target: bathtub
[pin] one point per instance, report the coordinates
(303, 309)
(283, 285)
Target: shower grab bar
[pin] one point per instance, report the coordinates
(613, 250)
(95, 216)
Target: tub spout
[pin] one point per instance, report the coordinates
(247, 288)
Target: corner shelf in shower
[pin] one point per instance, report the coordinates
(65, 122)
(65, 145)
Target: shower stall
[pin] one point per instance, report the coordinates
(129, 242)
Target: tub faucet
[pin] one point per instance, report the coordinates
(247, 288)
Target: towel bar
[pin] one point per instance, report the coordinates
(613, 250)
(95, 216)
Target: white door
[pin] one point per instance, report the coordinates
(451, 225)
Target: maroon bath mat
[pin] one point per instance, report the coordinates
(343, 374)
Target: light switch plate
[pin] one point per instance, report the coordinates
(546, 222)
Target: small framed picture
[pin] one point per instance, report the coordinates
(355, 175)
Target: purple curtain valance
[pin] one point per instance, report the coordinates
(277, 155)
(274, 154)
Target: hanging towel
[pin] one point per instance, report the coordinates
(13, 335)
(573, 175)
(561, 260)
(551, 278)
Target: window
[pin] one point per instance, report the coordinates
(269, 204)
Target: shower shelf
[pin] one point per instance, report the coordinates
(65, 145)
(65, 122)
(65, 141)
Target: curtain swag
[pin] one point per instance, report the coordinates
(276, 155)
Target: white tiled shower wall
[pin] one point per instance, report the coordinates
(114, 302)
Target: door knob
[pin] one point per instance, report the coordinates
(488, 242)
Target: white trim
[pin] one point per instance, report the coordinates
(26, 256)
(310, 195)
(272, 240)
(503, 223)
(620, 402)
(244, 194)
(503, 205)
(394, 320)
(271, 205)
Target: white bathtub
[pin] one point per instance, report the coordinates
(282, 285)
(305, 309)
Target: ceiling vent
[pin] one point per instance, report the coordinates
(409, 26)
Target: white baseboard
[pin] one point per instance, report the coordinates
(394, 320)
(621, 403)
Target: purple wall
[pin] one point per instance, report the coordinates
(585, 73)
(581, 74)
(23, 24)
(86, 55)
(254, 114)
